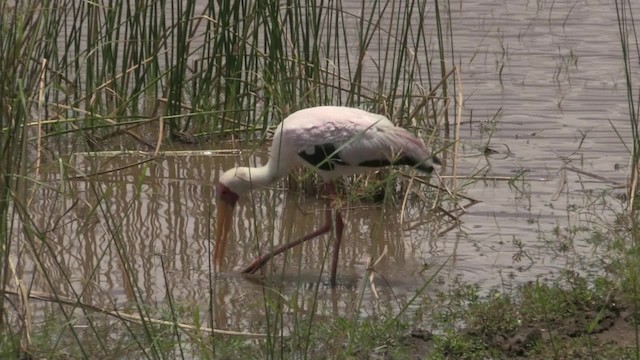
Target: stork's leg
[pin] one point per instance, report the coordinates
(262, 260)
(329, 189)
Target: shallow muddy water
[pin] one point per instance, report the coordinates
(543, 86)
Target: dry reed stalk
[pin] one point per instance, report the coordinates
(42, 296)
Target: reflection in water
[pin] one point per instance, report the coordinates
(154, 222)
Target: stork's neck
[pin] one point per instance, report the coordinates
(260, 176)
(267, 174)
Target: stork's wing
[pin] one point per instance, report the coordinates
(385, 145)
(352, 137)
(328, 137)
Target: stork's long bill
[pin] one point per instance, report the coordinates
(226, 201)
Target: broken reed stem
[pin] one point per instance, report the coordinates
(100, 173)
(42, 296)
(595, 176)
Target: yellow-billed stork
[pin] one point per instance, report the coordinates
(333, 141)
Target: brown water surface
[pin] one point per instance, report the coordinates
(543, 85)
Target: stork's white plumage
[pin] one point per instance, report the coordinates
(334, 141)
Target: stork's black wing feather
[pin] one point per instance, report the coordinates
(323, 157)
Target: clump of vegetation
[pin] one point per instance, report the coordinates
(569, 318)
(537, 320)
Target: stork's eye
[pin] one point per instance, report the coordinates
(225, 193)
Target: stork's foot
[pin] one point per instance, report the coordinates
(262, 260)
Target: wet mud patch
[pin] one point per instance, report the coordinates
(540, 321)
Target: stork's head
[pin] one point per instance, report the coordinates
(232, 184)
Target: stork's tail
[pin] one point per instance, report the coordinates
(428, 164)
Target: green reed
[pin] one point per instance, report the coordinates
(626, 26)
(91, 75)
(237, 66)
